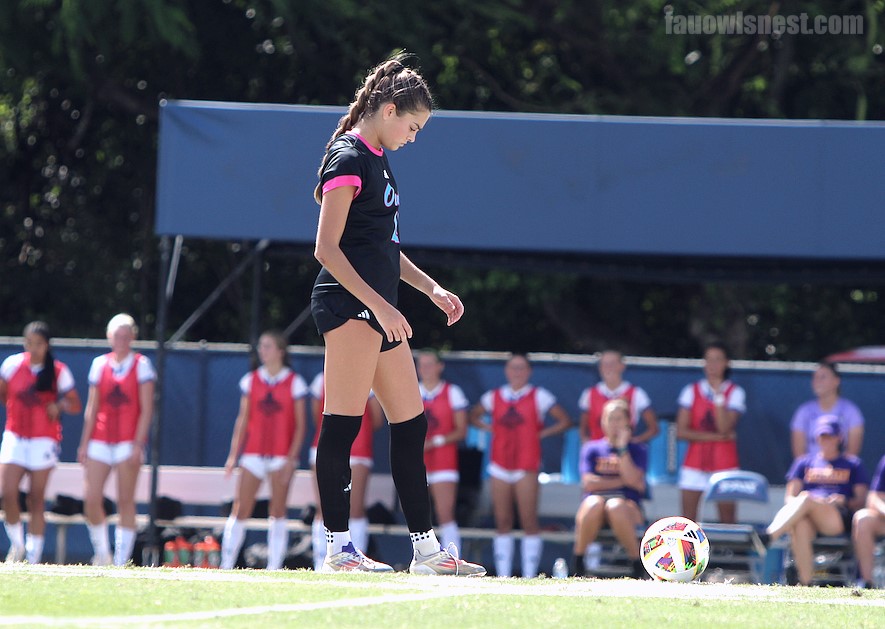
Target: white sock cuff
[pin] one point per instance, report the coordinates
(336, 540)
(15, 533)
(34, 548)
(98, 535)
(124, 543)
(425, 542)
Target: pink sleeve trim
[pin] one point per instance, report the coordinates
(344, 180)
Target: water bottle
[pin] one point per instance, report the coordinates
(560, 568)
(185, 551)
(213, 552)
(170, 554)
(200, 555)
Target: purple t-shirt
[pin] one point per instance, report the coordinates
(879, 477)
(805, 416)
(599, 457)
(823, 478)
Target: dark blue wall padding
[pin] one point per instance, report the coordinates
(201, 399)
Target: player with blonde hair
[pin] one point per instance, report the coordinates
(118, 415)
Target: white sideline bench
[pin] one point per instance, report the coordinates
(192, 486)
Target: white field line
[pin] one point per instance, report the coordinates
(215, 614)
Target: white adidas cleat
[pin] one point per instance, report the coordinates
(447, 562)
(352, 560)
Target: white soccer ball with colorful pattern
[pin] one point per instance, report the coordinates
(675, 549)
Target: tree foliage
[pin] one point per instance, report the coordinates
(80, 83)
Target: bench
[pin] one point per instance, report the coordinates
(195, 487)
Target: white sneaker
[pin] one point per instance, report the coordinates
(352, 560)
(16, 554)
(445, 562)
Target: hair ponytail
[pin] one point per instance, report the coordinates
(389, 82)
(46, 377)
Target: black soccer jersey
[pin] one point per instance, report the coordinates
(371, 234)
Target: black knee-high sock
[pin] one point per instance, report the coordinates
(580, 571)
(409, 473)
(333, 468)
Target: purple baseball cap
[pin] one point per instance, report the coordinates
(827, 425)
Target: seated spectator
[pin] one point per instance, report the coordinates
(709, 410)
(826, 384)
(613, 478)
(823, 492)
(610, 387)
(868, 524)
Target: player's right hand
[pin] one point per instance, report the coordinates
(394, 324)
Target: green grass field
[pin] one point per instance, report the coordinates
(82, 596)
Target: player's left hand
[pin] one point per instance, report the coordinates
(448, 302)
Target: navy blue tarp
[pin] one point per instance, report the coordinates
(542, 183)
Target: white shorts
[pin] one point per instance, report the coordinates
(696, 480)
(261, 466)
(108, 453)
(35, 454)
(442, 476)
(354, 460)
(508, 476)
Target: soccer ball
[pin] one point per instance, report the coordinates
(675, 549)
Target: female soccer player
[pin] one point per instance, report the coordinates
(709, 410)
(266, 444)
(612, 386)
(518, 410)
(446, 408)
(354, 306)
(118, 415)
(36, 389)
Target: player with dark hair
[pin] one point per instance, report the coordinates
(354, 306)
(36, 389)
(824, 490)
(265, 445)
(119, 409)
(827, 386)
(612, 386)
(518, 411)
(708, 414)
(446, 408)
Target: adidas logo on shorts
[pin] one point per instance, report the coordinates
(365, 314)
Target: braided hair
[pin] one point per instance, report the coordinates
(46, 377)
(388, 82)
